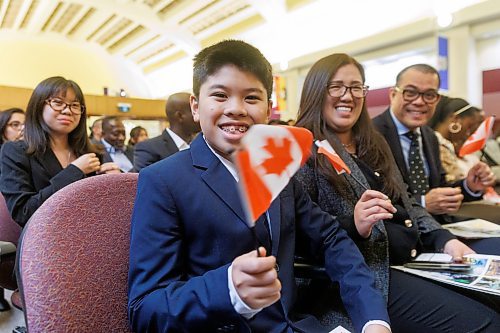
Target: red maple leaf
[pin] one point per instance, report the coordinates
(280, 156)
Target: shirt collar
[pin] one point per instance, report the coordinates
(227, 163)
(179, 142)
(111, 149)
(400, 127)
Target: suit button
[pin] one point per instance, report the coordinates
(413, 253)
(408, 223)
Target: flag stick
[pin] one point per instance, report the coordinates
(358, 181)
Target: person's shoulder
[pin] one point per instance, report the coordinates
(380, 118)
(149, 142)
(170, 164)
(15, 146)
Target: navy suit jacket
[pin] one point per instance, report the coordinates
(188, 225)
(152, 150)
(385, 125)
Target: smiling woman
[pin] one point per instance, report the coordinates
(55, 151)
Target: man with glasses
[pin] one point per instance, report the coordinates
(416, 149)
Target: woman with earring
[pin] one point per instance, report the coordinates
(374, 207)
(454, 121)
(55, 152)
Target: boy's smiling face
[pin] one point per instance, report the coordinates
(230, 101)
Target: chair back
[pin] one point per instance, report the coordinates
(74, 257)
(10, 231)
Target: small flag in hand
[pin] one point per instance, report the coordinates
(478, 139)
(267, 160)
(324, 147)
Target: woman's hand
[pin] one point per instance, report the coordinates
(371, 207)
(88, 163)
(456, 249)
(109, 167)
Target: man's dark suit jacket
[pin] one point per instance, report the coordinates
(152, 150)
(188, 225)
(26, 181)
(385, 125)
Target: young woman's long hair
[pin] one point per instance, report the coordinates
(371, 146)
(37, 132)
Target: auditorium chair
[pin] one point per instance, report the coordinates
(9, 236)
(73, 258)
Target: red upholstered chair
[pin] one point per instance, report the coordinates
(9, 236)
(74, 257)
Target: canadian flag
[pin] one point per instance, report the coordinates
(478, 139)
(268, 158)
(324, 147)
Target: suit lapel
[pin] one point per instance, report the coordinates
(275, 219)
(429, 156)
(169, 142)
(50, 162)
(216, 176)
(392, 137)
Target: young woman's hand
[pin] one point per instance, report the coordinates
(88, 163)
(109, 167)
(371, 207)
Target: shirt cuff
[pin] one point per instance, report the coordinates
(422, 200)
(376, 322)
(469, 191)
(239, 306)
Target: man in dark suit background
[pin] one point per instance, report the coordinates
(177, 137)
(413, 102)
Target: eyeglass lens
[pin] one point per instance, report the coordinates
(336, 90)
(428, 96)
(59, 105)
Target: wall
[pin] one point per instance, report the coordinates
(29, 61)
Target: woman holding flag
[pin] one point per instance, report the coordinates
(370, 198)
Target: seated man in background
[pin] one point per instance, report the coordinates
(416, 148)
(193, 263)
(416, 151)
(173, 139)
(113, 140)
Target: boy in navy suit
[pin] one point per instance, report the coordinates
(193, 264)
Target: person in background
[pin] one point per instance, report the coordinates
(96, 131)
(113, 141)
(11, 125)
(137, 134)
(414, 145)
(453, 122)
(193, 262)
(11, 129)
(55, 152)
(373, 206)
(177, 137)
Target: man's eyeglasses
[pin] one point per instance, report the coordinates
(16, 125)
(339, 90)
(409, 95)
(58, 105)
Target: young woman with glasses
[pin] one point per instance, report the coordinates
(55, 152)
(11, 125)
(372, 204)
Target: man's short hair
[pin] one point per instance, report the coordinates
(424, 68)
(231, 52)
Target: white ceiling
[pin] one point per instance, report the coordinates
(158, 38)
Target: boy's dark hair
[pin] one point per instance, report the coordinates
(231, 52)
(36, 131)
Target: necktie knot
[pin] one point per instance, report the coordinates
(413, 136)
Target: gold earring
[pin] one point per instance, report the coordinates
(455, 127)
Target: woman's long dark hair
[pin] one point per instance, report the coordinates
(4, 120)
(36, 131)
(371, 146)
